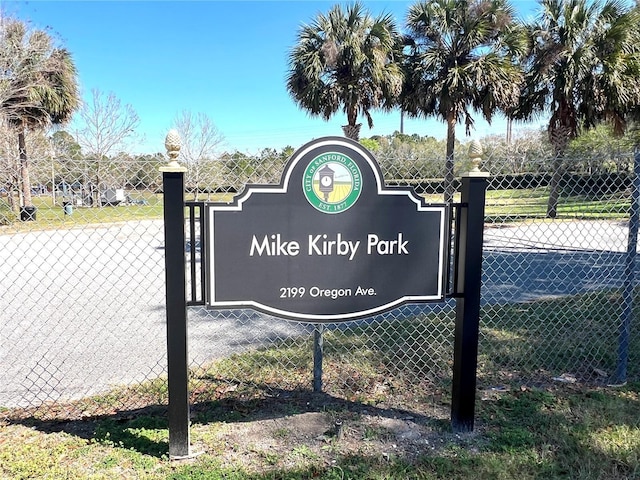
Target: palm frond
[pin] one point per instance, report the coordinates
(346, 60)
(39, 82)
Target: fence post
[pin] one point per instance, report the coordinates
(629, 276)
(318, 354)
(175, 265)
(468, 278)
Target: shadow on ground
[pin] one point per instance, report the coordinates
(145, 429)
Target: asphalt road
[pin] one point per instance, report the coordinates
(527, 262)
(83, 309)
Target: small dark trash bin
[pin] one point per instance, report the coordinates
(27, 214)
(68, 208)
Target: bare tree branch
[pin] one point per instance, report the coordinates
(200, 136)
(200, 142)
(106, 124)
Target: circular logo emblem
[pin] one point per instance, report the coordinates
(332, 182)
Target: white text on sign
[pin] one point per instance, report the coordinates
(321, 245)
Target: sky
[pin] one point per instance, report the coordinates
(226, 59)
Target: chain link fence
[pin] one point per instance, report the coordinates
(83, 295)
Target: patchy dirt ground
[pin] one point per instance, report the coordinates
(288, 440)
(270, 437)
(287, 430)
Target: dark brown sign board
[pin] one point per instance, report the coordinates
(329, 243)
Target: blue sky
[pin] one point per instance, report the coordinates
(227, 59)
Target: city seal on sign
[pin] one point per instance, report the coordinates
(332, 182)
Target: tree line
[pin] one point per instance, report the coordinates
(402, 158)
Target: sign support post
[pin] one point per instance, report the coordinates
(468, 279)
(318, 354)
(175, 271)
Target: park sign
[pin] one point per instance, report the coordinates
(330, 243)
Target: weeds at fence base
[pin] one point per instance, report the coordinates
(530, 343)
(394, 421)
(561, 431)
(561, 338)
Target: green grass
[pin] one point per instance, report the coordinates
(537, 433)
(534, 428)
(501, 206)
(50, 215)
(570, 433)
(553, 336)
(511, 205)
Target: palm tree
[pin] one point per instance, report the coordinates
(39, 87)
(346, 59)
(584, 67)
(462, 57)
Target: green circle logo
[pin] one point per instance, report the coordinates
(332, 182)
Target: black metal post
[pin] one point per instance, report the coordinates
(629, 276)
(177, 354)
(468, 279)
(318, 353)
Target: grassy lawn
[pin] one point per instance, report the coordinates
(50, 215)
(509, 205)
(501, 206)
(394, 415)
(524, 205)
(531, 433)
